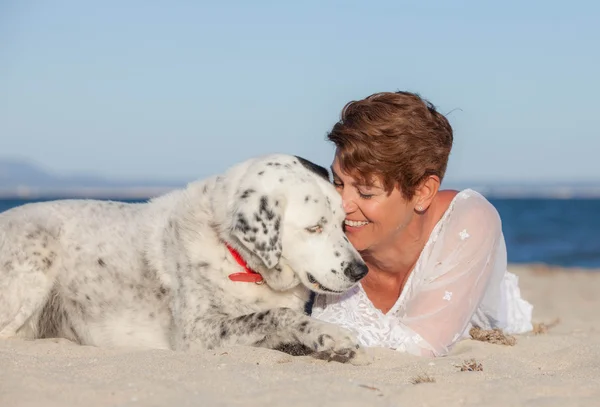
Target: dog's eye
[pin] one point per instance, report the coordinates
(315, 229)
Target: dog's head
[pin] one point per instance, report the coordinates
(285, 217)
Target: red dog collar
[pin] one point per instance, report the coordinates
(248, 275)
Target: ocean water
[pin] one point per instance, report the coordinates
(562, 232)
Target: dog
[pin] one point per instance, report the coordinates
(228, 260)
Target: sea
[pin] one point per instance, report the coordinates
(556, 232)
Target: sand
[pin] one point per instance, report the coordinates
(558, 367)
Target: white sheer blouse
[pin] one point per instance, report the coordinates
(459, 280)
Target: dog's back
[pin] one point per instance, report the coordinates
(43, 232)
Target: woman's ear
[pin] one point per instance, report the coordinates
(426, 192)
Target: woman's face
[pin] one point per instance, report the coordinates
(373, 218)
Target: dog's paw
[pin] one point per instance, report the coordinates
(356, 356)
(361, 357)
(333, 343)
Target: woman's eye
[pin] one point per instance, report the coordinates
(315, 229)
(337, 184)
(365, 196)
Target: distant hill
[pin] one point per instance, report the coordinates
(22, 178)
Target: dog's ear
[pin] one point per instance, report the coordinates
(257, 225)
(316, 168)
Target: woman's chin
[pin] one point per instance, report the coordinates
(359, 236)
(359, 244)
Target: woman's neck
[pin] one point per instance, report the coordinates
(399, 255)
(391, 265)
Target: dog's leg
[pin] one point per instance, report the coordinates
(28, 266)
(277, 329)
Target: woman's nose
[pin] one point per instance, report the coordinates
(348, 204)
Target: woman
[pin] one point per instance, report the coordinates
(437, 258)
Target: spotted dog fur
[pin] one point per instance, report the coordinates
(155, 274)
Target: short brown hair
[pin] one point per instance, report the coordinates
(397, 136)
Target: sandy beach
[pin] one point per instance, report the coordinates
(559, 366)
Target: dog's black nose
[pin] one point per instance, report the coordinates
(356, 270)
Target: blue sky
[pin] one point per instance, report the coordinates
(183, 89)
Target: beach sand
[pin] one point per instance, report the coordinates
(558, 367)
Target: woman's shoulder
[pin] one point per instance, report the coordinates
(469, 229)
(468, 206)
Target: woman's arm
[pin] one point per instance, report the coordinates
(468, 252)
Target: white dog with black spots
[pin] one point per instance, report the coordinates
(229, 260)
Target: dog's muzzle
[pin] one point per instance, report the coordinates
(356, 270)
